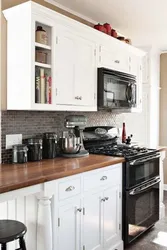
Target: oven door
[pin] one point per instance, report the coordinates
(141, 170)
(142, 209)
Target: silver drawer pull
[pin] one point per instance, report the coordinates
(117, 61)
(79, 210)
(103, 200)
(103, 178)
(78, 97)
(71, 188)
(106, 198)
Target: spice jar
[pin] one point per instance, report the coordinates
(41, 35)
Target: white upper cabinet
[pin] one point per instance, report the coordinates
(75, 62)
(65, 66)
(60, 73)
(85, 73)
(113, 56)
(133, 64)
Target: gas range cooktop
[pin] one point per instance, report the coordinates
(102, 140)
(121, 150)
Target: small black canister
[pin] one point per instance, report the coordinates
(19, 153)
(34, 148)
(49, 145)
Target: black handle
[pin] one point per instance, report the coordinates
(144, 188)
(130, 93)
(127, 93)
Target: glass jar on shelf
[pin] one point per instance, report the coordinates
(41, 35)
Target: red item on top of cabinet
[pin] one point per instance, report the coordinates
(100, 27)
(123, 133)
(114, 33)
(108, 28)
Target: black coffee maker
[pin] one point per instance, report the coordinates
(49, 145)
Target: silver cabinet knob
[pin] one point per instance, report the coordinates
(106, 198)
(117, 61)
(78, 97)
(103, 200)
(79, 210)
(71, 188)
(103, 178)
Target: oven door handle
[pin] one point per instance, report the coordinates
(136, 191)
(138, 162)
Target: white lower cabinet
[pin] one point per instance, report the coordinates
(69, 225)
(90, 220)
(112, 216)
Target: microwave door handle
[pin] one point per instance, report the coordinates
(133, 95)
(127, 93)
(138, 162)
(145, 188)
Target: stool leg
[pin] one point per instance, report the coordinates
(3, 247)
(22, 243)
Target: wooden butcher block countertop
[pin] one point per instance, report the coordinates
(15, 176)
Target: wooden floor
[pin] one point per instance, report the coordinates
(156, 238)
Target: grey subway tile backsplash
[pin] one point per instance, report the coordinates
(32, 123)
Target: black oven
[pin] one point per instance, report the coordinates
(140, 196)
(116, 89)
(141, 170)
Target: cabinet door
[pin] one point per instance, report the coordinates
(133, 64)
(69, 229)
(139, 86)
(92, 225)
(145, 69)
(111, 217)
(65, 66)
(114, 58)
(85, 73)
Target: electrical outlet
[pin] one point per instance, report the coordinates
(13, 140)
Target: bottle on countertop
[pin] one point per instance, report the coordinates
(123, 133)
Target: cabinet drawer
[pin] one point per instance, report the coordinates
(69, 188)
(105, 177)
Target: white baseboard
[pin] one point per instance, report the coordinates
(165, 187)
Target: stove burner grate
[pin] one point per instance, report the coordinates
(120, 150)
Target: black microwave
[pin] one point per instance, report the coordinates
(116, 90)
